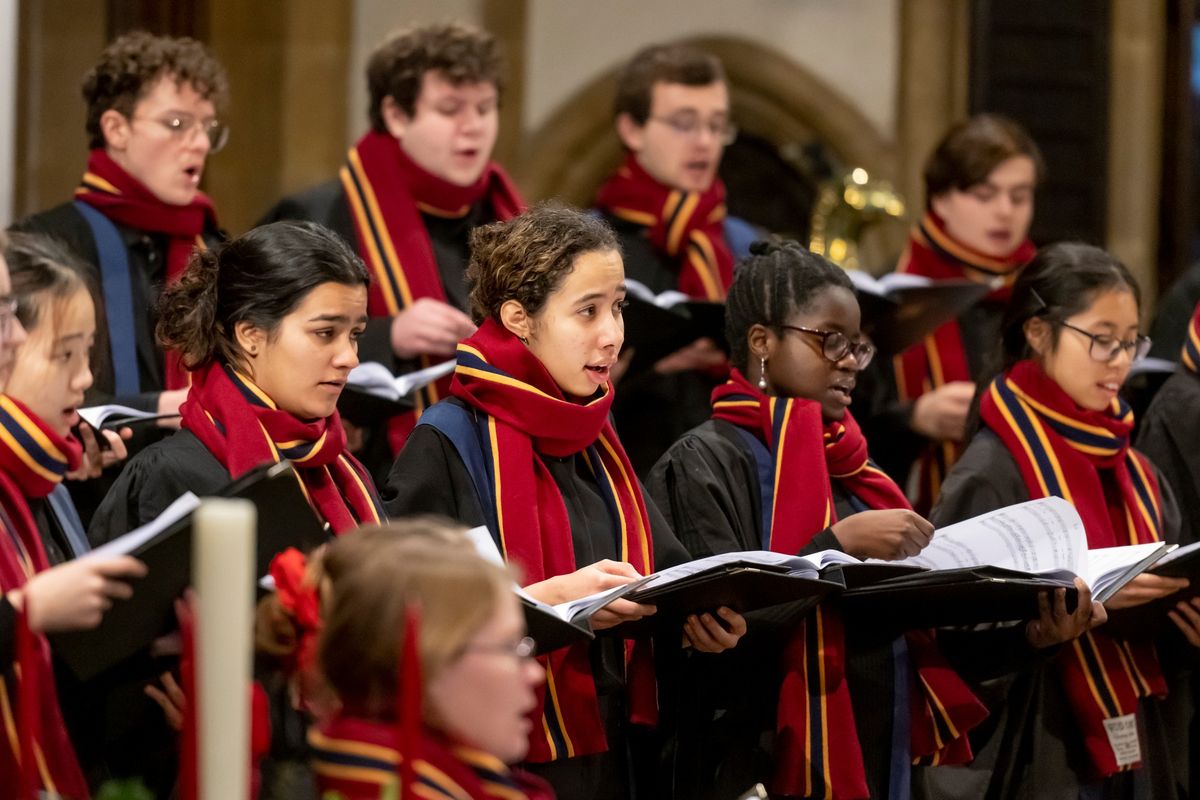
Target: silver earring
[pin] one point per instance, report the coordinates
(762, 373)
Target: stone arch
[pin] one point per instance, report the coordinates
(771, 95)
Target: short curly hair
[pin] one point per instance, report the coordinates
(526, 258)
(461, 54)
(662, 63)
(132, 64)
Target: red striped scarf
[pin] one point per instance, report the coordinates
(941, 357)
(388, 192)
(1190, 354)
(527, 418)
(687, 226)
(122, 198)
(35, 752)
(244, 428)
(1061, 450)
(817, 750)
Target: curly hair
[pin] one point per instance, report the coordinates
(970, 150)
(526, 258)
(459, 53)
(777, 279)
(132, 65)
(662, 63)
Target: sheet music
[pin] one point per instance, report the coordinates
(667, 299)
(375, 378)
(185, 504)
(96, 416)
(762, 558)
(1039, 535)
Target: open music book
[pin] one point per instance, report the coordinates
(1043, 537)
(899, 309)
(118, 416)
(374, 394)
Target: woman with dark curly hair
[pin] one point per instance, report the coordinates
(525, 447)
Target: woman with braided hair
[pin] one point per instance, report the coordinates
(782, 465)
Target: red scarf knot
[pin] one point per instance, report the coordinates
(243, 428)
(687, 226)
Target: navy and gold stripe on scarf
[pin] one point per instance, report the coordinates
(818, 780)
(492, 772)
(334, 759)
(701, 255)
(381, 253)
(979, 267)
(1029, 421)
(92, 182)
(1190, 355)
(29, 443)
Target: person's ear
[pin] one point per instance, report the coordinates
(762, 342)
(116, 130)
(1038, 335)
(251, 340)
(516, 319)
(632, 135)
(394, 118)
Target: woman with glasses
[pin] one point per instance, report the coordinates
(1053, 423)
(152, 121)
(782, 466)
(468, 672)
(524, 446)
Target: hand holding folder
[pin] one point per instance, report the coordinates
(165, 546)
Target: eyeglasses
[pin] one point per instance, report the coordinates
(1105, 348)
(181, 127)
(722, 129)
(836, 345)
(526, 648)
(8, 313)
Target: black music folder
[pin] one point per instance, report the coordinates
(285, 519)
(899, 310)
(658, 325)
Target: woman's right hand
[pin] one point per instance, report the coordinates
(1055, 625)
(889, 534)
(598, 577)
(74, 595)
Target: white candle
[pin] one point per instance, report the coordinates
(223, 576)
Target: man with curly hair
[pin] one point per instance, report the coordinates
(152, 105)
(413, 188)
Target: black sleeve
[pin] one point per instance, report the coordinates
(1175, 451)
(668, 550)
(428, 477)
(8, 634)
(151, 481)
(984, 479)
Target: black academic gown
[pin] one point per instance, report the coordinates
(147, 253)
(327, 204)
(153, 480)
(707, 486)
(1175, 450)
(429, 478)
(685, 396)
(1029, 746)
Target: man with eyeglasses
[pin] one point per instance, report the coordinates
(410, 193)
(138, 213)
(667, 205)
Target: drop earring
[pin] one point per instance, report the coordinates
(762, 373)
(524, 341)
